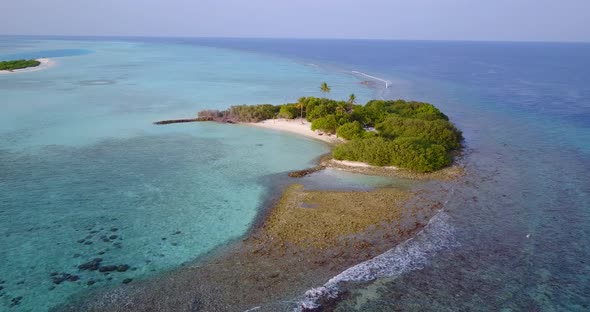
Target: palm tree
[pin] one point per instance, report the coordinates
(351, 100)
(300, 103)
(325, 88)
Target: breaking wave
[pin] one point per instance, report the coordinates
(386, 82)
(412, 254)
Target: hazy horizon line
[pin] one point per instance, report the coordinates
(290, 38)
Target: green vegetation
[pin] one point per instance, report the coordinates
(242, 113)
(18, 64)
(351, 130)
(325, 88)
(351, 101)
(411, 135)
(408, 152)
(327, 124)
(289, 111)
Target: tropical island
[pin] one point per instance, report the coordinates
(307, 236)
(22, 66)
(18, 64)
(402, 134)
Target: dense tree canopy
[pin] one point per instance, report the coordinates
(351, 130)
(412, 135)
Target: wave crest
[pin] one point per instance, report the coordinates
(410, 255)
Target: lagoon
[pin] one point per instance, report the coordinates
(86, 157)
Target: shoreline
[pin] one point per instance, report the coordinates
(304, 239)
(303, 128)
(296, 126)
(300, 239)
(45, 64)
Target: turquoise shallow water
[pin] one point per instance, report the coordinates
(524, 109)
(514, 234)
(84, 173)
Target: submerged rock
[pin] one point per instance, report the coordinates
(127, 280)
(122, 268)
(107, 268)
(58, 279)
(302, 173)
(16, 301)
(92, 265)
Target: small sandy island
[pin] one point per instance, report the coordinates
(45, 63)
(297, 126)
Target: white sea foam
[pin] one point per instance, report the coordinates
(386, 82)
(410, 255)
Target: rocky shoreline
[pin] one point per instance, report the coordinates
(304, 240)
(174, 121)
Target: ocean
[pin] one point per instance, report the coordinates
(84, 173)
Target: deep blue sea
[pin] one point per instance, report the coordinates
(84, 174)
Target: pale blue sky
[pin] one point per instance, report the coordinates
(529, 20)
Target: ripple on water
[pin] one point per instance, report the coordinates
(97, 82)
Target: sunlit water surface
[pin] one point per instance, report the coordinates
(84, 173)
(78, 154)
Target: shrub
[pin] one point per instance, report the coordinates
(419, 155)
(350, 130)
(252, 113)
(289, 111)
(376, 111)
(322, 107)
(436, 131)
(328, 124)
(410, 153)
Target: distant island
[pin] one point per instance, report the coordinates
(402, 134)
(24, 66)
(18, 64)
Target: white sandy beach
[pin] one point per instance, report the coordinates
(349, 163)
(304, 129)
(45, 63)
(298, 127)
(358, 164)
